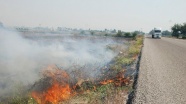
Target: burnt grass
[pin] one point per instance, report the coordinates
(122, 70)
(124, 66)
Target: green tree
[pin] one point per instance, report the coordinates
(134, 34)
(176, 29)
(183, 30)
(119, 34)
(127, 34)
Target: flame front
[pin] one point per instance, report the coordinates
(54, 94)
(58, 91)
(119, 80)
(106, 82)
(55, 86)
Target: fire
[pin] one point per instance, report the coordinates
(59, 90)
(54, 94)
(119, 80)
(106, 82)
(54, 87)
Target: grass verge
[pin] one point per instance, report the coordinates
(101, 94)
(109, 93)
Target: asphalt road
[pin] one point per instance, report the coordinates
(162, 73)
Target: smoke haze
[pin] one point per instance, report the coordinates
(22, 59)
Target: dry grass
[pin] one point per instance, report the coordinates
(103, 94)
(109, 94)
(106, 94)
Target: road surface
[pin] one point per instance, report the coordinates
(162, 73)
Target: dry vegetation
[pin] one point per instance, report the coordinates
(111, 92)
(111, 88)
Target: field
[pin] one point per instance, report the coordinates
(66, 68)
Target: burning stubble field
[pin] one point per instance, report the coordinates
(66, 68)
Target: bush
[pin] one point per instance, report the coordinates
(119, 34)
(134, 35)
(127, 34)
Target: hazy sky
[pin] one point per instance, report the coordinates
(127, 15)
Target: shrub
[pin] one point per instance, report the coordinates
(134, 35)
(127, 34)
(119, 34)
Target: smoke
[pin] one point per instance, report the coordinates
(22, 57)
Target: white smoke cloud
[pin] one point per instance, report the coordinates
(21, 59)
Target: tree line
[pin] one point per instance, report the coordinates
(128, 34)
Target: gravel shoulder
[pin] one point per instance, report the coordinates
(162, 72)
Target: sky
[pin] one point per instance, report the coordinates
(125, 15)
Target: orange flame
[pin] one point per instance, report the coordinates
(106, 82)
(54, 94)
(58, 91)
(119, 80)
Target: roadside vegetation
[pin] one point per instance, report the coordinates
(114, 90)
(179, 31)
(128, 34)
(112, 87)
(127, 57)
